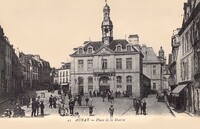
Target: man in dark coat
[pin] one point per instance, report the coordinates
(54, 101)
(111, 111)
(34, 106)
(137, 107)
(86, 100)
(71, 106)
(144, 106)
(50, 101)
(90, 110)
(42, 108)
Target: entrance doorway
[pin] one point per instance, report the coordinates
(104, 85)
(129, 90)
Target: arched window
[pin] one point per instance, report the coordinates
(89, 50)
(119, 79)
(128, 79)
(80, 50)
(128, 48)
(119, 48)
(90, 83)
(90, 80)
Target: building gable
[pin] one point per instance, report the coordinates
(104, 50)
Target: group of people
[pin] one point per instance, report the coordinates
(36, 106)
(52, 101)
(140, 105)
(109, 95)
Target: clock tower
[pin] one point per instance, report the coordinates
(107, 26)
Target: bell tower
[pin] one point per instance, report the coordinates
(107, 26)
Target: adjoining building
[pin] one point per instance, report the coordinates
(62, 77)
(185, 60)
(154, 68)
(10, 69)
(36, 72)
(107, 65)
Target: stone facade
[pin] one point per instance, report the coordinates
(114, 65)
(10, 68)
(153, 67)
(187, 60)
(63, 76)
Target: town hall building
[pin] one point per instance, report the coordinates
(107, 65)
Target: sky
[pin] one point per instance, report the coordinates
(52, 28)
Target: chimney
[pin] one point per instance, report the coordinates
(133, 39)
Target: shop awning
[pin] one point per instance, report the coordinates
(179, 88)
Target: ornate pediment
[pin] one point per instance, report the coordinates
(104, 50)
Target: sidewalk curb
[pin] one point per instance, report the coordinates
(171, 111)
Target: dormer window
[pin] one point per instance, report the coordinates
(89, 50)
(128, 48)
(80, 50)
(119, 48)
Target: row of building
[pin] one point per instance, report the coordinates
(184, 63)
(20, 72)
(10, 68)
(118, 65)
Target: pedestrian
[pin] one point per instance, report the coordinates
(33, 113)
(86, 100)
(94, 93)
(37, 103)
(144, 107)
(137, 107)
(91, 110)
(50, 101)
(54, 101)
(42, 108)
(111, 111)
(71, 106)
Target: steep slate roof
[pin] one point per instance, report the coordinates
(114, 43)
(97, 44)
(149, 54)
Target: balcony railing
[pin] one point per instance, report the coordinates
(110, 70)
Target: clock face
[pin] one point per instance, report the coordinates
(106, 41)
